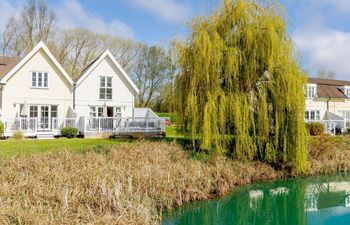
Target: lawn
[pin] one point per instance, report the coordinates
(27, 147)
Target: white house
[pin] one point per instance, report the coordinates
(328, 102)
(38, 97)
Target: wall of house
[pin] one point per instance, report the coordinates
(18, 88)
(336, 106)
(87, 92)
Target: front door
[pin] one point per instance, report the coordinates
(44, 118)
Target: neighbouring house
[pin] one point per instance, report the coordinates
(328, 102)
(38, 98)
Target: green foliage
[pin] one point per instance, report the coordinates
(315, 129)
(240, 88)
(18, 135)
(69, 132)
(2, 129)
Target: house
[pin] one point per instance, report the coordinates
(328, 102)
(39, 98)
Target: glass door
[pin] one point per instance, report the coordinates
(44, 118)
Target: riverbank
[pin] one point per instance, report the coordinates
(133, 183)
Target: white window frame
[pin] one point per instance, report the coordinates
(44, 79)
(311, 91)
(92, 112)
(347, 91)
(312, 115)
(105, 87)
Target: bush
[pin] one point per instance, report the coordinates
(315, 129)
(18, 135)
(2, 129)
(69, 132)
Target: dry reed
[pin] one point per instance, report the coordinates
(130, 184)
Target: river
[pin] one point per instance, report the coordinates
(307, 201)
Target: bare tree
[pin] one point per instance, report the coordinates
(150, 73)
(36, 22)
(326, 74)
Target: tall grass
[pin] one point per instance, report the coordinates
(129, 184)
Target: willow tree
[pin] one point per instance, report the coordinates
(240, 88)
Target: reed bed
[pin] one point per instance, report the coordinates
(128, 184)
(329, 155)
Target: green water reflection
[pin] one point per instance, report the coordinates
(316, 201)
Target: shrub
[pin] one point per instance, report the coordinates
(18, 135)
(315, 129)
(2, 129)
(69, 132)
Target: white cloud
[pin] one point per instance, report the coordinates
(168, 10)
(325, 48)
(71, 14)
(340, 5)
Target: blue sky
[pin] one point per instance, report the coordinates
(320, 28)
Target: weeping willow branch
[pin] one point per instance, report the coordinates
(240, 88)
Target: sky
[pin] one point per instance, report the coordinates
(319, 28)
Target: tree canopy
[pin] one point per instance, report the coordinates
(240, 89)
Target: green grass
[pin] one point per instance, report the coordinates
(171, 132)
(10, 148)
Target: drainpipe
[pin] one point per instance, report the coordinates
(74, 88)
(328, 103)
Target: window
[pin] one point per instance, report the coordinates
(40, 80)
(311, 90)
(106, 88)
(312, 116)
(100, 111)
(54, 111)
(33, 111)
(92, 112)
(347, 91)
(118, 112)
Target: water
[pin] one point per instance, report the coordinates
(316, 201)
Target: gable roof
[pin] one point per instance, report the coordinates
(88, 69)
(328, 81)
(328, 88)
(7, 63)
(37, 48)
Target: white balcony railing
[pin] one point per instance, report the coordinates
(31, 126)
(129, 124)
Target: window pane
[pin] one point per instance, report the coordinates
(318, 117)
(102, 82)
(109, 93)
(100, 112)
(54, 111)
(307, 115)
(45, 80)
(92, 112)
(312, 115)
(40, 80)
(33, 79)
(102, 93)
(109, 81)
(33, 111)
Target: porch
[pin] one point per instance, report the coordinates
(333, 123)
(87, 126)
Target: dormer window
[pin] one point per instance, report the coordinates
(311, 90)
(347, 91)
(40, 80)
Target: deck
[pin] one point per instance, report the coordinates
(87, 126)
